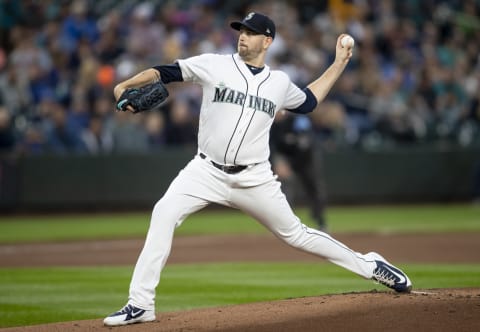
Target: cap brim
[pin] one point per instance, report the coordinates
(237, 26)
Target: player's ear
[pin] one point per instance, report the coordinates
(267, 41)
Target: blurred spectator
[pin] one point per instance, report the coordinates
(182, 130)
(78, 116)
(103, 106)
(155, 127)
(331, 127)
(355, 104)
(469, 131)
(109, 46)
(32, 64)
(88, 67)
(145, 36)
(96, 138)
(106, 77)
(11, 14)
(60, 137)
(14, 92)
(392, 117)
(128, 133)
(33, 141)
(78, 26)
(216, 42)
(7, 134)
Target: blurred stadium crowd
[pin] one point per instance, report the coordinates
(414, 77)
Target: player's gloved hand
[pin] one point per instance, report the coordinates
(124, 99)
(142, 99)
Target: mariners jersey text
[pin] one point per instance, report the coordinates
(227, 95)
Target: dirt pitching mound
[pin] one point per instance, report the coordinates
(426, 310)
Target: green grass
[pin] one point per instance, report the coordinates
(384, 219)
(407, 219)
(29, 295)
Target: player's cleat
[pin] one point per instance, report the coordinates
(129, 315)
(389, 275)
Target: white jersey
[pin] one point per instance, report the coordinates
(238, 107)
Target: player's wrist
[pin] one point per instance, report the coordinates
(340, 64)
(118, 90)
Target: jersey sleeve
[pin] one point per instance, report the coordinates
(198, 68)
(294, 97)
(308, 105)
(169, 73)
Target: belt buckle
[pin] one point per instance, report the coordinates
(233, 169)
(228, 169)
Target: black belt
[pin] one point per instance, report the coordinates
(227, 169)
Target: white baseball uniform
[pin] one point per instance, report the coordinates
(237, 112)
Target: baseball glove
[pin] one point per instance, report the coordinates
(143, 99)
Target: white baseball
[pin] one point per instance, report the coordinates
(347, 41)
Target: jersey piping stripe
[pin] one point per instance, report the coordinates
(315, 232)
(240, 117)
(251, 118)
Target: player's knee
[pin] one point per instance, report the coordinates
(162, 211)
(296, 238)
(158, 207)
(293, 239)
(166, 213)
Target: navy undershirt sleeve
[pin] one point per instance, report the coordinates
(170, 73)
(308, 105)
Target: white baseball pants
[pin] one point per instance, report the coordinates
(256, 192)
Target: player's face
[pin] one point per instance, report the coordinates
(251, 44)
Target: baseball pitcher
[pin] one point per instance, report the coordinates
(241, 96)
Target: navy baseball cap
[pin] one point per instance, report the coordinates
(257, 22)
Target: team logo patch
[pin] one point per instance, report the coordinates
(249, 16)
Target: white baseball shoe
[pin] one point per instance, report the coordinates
(389, 275)
(129, 315)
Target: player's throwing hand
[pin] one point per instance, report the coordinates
(344, 53)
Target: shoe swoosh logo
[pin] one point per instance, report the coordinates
(403, 280)
(136, 314)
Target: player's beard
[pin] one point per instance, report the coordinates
(249, 53)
